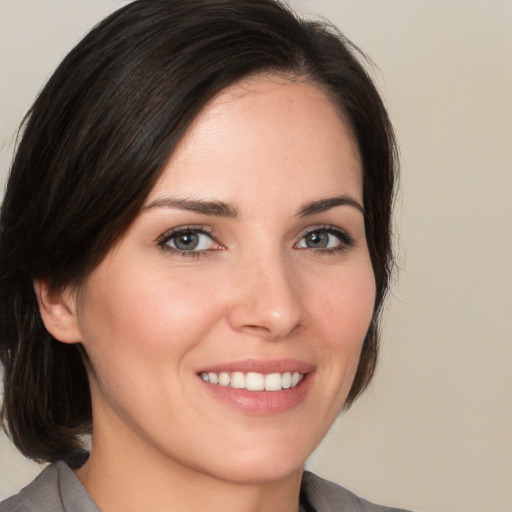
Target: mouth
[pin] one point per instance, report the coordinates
(254, 381)
(259, 387)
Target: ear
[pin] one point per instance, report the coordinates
(58, 311)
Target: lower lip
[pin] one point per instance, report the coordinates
(262, 402)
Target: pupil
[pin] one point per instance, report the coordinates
(187, 241)
(317, 240)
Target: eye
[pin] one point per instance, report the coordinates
(326, 239)
(188, 240)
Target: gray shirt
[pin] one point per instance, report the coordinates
(57, 489)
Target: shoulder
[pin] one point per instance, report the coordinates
(38, 495)
(56, 489)
(320, 495)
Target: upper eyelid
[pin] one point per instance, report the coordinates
(346, 240)
(326, 227)
(163, 240)
(346, 237)
(187, 228)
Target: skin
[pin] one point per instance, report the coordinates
(151, 318)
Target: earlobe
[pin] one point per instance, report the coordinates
(58, 312)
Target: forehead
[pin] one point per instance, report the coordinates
(269, 135)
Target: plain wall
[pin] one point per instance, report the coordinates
(434, 431)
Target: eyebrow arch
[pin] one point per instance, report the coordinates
(323, 205)
(215, 208)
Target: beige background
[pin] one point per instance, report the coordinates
(434, 432)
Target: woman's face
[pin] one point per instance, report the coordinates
(248, 267)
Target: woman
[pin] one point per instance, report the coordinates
(195, 248)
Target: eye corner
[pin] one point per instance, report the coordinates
(325, 239)
(196, 241)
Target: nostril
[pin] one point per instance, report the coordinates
(256, 329)
(271, 333)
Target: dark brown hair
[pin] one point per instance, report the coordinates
(96, 140)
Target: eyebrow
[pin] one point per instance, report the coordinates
(323, 205)
(222, 209)
(216, 208)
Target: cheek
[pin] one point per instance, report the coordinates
(346, 307)
(147, 313)
(138, 332)
(343, 312)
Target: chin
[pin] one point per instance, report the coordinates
(260, 472)
(263, 464)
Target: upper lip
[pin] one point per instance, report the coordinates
(264, 366)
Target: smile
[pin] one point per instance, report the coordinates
(253, 381)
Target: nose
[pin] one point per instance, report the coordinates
(269, 301)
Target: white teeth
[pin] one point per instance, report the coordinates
(253, 381)
(238, 380)
(287, 380)
(273, 382)
(224, 379)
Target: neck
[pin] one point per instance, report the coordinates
(142, 478)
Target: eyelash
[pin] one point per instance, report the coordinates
(346, 241)
(176, 232)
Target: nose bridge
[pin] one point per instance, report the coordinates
(270, 302)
